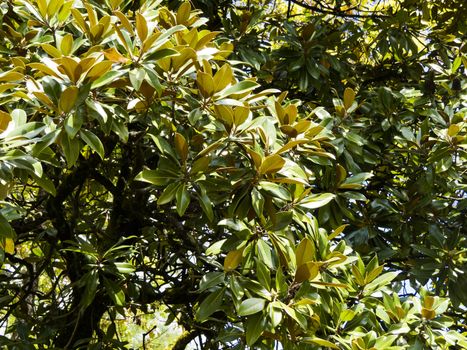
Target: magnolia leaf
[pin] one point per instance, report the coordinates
(233, 259)
(271, 164)
(251, 306)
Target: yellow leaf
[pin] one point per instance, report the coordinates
(113, 55)
(11, 76)
(67, 44)
(85, 64)
(429, 301)
(96, 32)
(181, 146)
(428, 313)
(373, 274)
(349, 97)
(305, 252)
(224, 113)
(337, 231)
(257, 158)
(291, 144)
(79, 20)
(125, 22)
(223, 78)
(205, 84)
(68, 99)
(453, 130)
(271, 164)
(291, 112)
(5, 119)
(307, 271)
(141, 26)
(233, 259)
(302, 126)
(42, 6)
(99, 69)
(44, 69)
(9, 246)
(92, 16)
(183, 13)
(68, 66)
(44, 98)
(54, 6)
(240, 115)
(51, 50)
(115, 3)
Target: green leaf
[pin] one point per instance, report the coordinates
(160, 54)
(115, 292)
(93, 141)
(71, 148)
(183, 199)
(210, 280)
(155, 177)
(321, 342)
(254, 327)
(239, 88)
(210, 305)
(316, 200)
(382, 280)
(251, 306)
(90, 280)
(281, 220)
(265, 253)
(169, 193)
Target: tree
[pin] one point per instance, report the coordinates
(293, 175)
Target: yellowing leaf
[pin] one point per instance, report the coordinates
(51, 50)
(68, 99)
(11, 76)
(224, 113)
(68, 66)
(125, 22)
(5, 119)
(223, 78)
(337, 231)
(349, 97)
(291, 144)
(233, 259)
(321, 342)
(240, 115)
(183, 13)
(271, 164)
(205, 84)
(453, 129)
(256, 157)
(307, 271)
(428, 313)
(99, 70)
(305, 252)
(43, 69)
(141, 26)
(67, 44)
(181, 146)
(9, 246)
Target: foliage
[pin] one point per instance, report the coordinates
(294, 174)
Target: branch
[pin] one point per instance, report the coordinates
(336, 12)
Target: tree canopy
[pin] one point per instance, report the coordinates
(247, 174)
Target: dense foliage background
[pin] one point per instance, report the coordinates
(231, 174)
